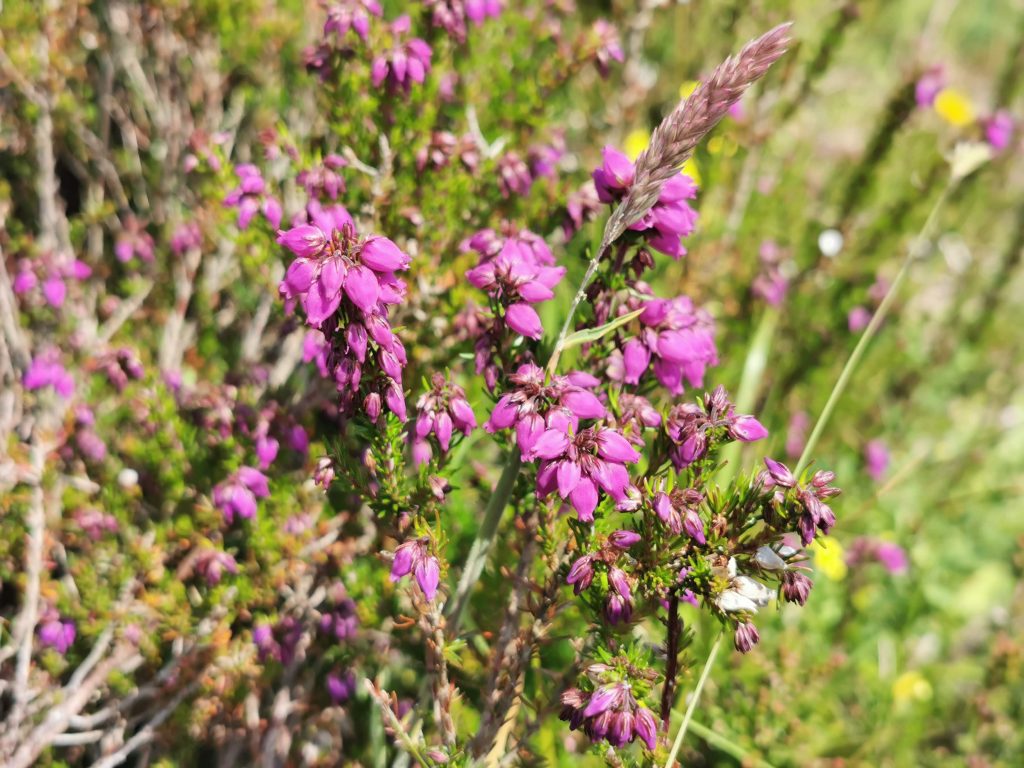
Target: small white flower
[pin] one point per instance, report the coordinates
(830, 243)
(769, 559)
(732, 601)
(127, 478)
(753, 590)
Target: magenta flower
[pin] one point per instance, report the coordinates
(516, 278)
(858, 318)
(250, 197)
(694, 428)
(668, 221)
(535, 406)
(238, 494)
(815, 514)
(350, 14)
(133, 240)
(185, 237)
(876, 459)
(407, 62)
(581, 465)
(890, 556)
(999, 130)
(341, 687)
(345, 285)
(212, 564)
(928, 87)
(607, 46)
(796, 436)
(443, 410)
(679, 511)
(676, 339)
(56, 633)
(452, 15)
(514, 176)
(45, 370)
(611, 713)
(746, 637)
(414, 557)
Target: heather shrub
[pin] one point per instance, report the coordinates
(473, 382)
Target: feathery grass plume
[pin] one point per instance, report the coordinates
(674, 140)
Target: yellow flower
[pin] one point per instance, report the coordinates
(828, 558)
(636, 142)
(954, 107)
(722, 145)
(911, 686)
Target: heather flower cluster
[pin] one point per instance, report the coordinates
(251, 197)
(808, 500)
(611, 712)
(345, 284)
(519, 275)
(441, 411)
(405, 63)
(676, 341)
(695, 427)
(668, 221)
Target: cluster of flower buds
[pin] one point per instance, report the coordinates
(187, 236)
(581, 206)
(452, 15)
(606, 47)
(676, 336)
(772, 283)
(323, 180)
(56, 632)
(46, 370)
(679, 511)
(514, 177)
(405, 62)
(238, 494)
(95, 523)
(121, 366)
(250, 197)
(618, 605)
(133, 240)
(516, 277)
(442, 410)
(611, 713)
(50, 274)
(345, 284)
(444, 146)
(807, 500)
(535, 405)
(668, 221)
(352, 15)
(636, 413)
(340, 621)
(211, 564)
(694, 428)
(414, 557)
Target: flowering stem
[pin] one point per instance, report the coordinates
(499, 499)
(484, 539)
(694, 698)
(917, 250)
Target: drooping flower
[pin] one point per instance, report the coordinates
(211, 564)
(999, 130)
(345, 15)
(679, 511)
(341, 686)
(414, 557)
(516, 279)
(611, 713)
(133, 240)
(535, 405)
(580, 465)
(251, 197)
(238, 494)
(56, 632)
(806, 501)
(746, 637)
(694, 428)
(452, 15)
(928, 86)
(743, 595)
(607, 47)
(405, 63)
(345, 285)
(443, 410)
(676, 340)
